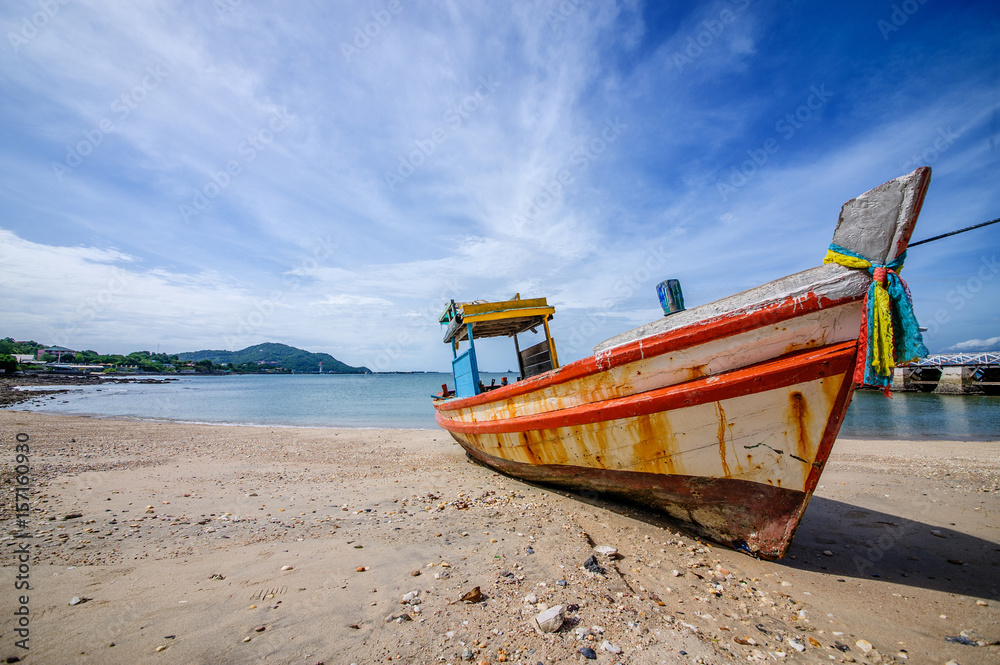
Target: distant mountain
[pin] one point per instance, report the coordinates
(277, 355)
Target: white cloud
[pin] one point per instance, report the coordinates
(990, 344)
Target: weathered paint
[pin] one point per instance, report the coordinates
(722, 416)
(670, 361)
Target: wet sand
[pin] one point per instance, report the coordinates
(211, 544)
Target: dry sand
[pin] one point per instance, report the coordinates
(211, 544)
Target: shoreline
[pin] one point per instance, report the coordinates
(186, 532)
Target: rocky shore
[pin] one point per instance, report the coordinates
(184, 543)
(11, 392)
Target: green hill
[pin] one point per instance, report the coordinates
(277, 356)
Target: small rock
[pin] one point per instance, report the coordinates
(474, 596)
(935, 532)
(952, 662)
(216, 576)
(982, 603)
(468, 655)
(827, 553)
(414, 573)
(72, 516)
(247, 639)
(676, 573)
(561, 582)
(354, 626)
(260, 629)
(531, 599)
(150, 509)
(287, 567)
(606, 550)
(864, 645)
(75, 600)
(361, 569)
(813, 641)
(609, 647)
(409, 597)
(746, 641)
(795, 644)
(962, 639)
(160, 648)
(551, 619)
(840, 646)
(592, 565)
(588, 653)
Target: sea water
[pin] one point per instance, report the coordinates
(403, 401)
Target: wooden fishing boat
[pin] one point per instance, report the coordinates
(721, 416)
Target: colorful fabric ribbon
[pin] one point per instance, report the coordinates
(890, 334)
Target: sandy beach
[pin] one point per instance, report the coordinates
(178, 543)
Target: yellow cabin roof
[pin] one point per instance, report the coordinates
(494, 319)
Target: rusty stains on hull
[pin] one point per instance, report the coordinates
(798, 418)
(721, 414)
(748, 516)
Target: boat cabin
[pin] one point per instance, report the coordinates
(469, 321)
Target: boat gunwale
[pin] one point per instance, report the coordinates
(776, 373)
(678, 339)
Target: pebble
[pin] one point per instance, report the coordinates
(160, 648)
(864, 645)
(287, 567)
(609, 647)
(531, 599)
(361, 569)
(982, 603)
(795, 644)
(827, 553)
(606, 550)
(247, 639)
(414, 573)
(75, 600)
(551, 619)
(588, 653)
(410, 596)
(260, 629)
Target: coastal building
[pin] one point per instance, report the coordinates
(57, 351)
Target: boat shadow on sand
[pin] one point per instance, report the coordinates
(865, 544)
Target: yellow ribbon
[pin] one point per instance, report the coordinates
(879, 314)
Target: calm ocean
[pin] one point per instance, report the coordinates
(403, 401)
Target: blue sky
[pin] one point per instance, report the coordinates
(189, 175)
